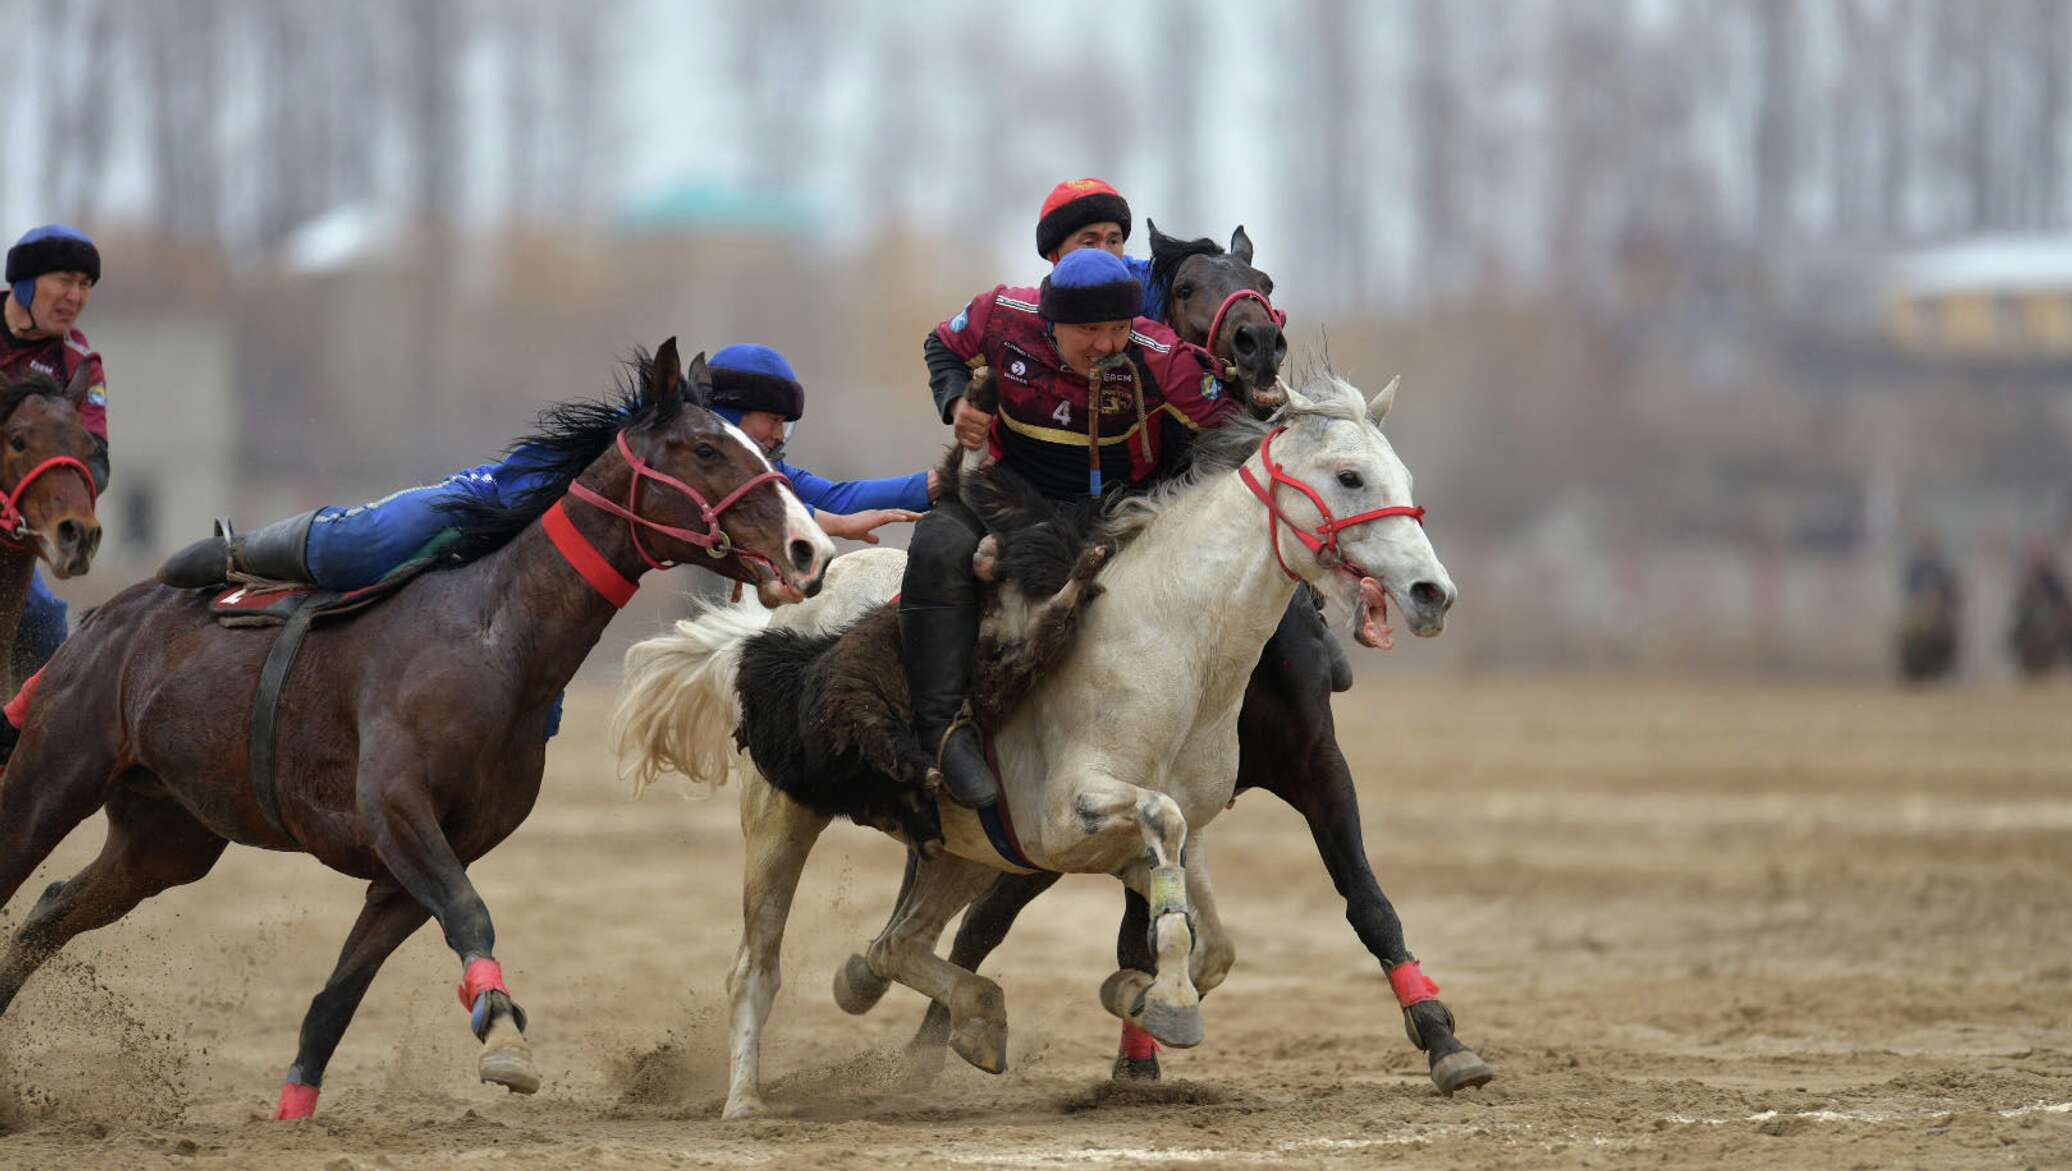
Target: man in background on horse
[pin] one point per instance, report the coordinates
(347, 548)
(1078, 213)
(1092, 396)
(51, 273)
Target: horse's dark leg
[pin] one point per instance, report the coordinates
(985, 925)
(389, 917)
(152, 845)
(1288, 746)
(46, 791)
(410, 842)
(1136, 1058)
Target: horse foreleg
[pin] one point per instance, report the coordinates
(62, 770)
(389, 917)
(905, 951)
(985, 925)
(409, 841)
(1209, 961)
(1167, 1005)
(152, 846)
(780, 833)
(1322, 791)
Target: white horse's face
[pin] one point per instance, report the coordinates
(1335, 445)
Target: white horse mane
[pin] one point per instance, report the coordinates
(1214, 453)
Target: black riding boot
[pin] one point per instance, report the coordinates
(277, 552)
(937, 644)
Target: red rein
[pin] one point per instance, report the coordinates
(592, 565)
(13, 525)
(1323, 543)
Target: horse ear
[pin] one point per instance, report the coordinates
(698, 381)
(665, 379)
(1157, 237)
(75, 390)
(1241, 245)
(1378, 407)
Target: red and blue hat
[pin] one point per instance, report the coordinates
(1074, 204)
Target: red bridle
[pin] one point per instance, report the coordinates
(1223, 310)
(713, 540)
(1324, 541)
(13, 525)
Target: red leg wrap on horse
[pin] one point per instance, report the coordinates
(297, 1101)
(17, 709)
(480, 976)
(1412, 985)
(1137, 1044)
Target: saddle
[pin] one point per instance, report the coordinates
(294, 607)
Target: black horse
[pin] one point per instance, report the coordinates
(1287, 742)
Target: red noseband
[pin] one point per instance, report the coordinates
(13, 525)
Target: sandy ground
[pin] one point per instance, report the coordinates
(1691, 926)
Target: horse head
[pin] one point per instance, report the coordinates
(741, 518)
(1208, 306)
(1334, 446)
(46, 488)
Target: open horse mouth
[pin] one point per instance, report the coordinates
(1371, 616)
(1269, 398)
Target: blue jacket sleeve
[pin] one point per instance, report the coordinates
(1154, 295)
(516, 474)
(847, 496)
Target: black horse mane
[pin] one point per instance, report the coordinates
(1168, 253)
(566, 438)
(33, 384)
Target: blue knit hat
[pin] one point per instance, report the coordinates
(1090, 285)
(750, 377)
(50, 248)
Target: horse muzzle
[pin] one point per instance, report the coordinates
(69, 548)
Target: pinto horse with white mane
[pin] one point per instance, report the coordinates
(1204, 577)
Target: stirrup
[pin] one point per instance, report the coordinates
(938, 777)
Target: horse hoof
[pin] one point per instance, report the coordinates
(983, 1043)
(1135, 1069)
(510, 1068)
(857, 988)
(1461, 1070)
(1122, 993)
(506, 1059)
(742, 1109)
(1179, 1026)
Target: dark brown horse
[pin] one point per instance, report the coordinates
(412, 735)
(46, 491)
(1287, 741)
(1218, 301)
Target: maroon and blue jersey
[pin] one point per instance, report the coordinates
(1049, 417)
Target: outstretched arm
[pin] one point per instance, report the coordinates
(909, 492)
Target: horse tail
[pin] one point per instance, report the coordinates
(680, 708)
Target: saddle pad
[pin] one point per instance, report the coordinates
(248, 605)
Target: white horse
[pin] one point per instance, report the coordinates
(1113, 764)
